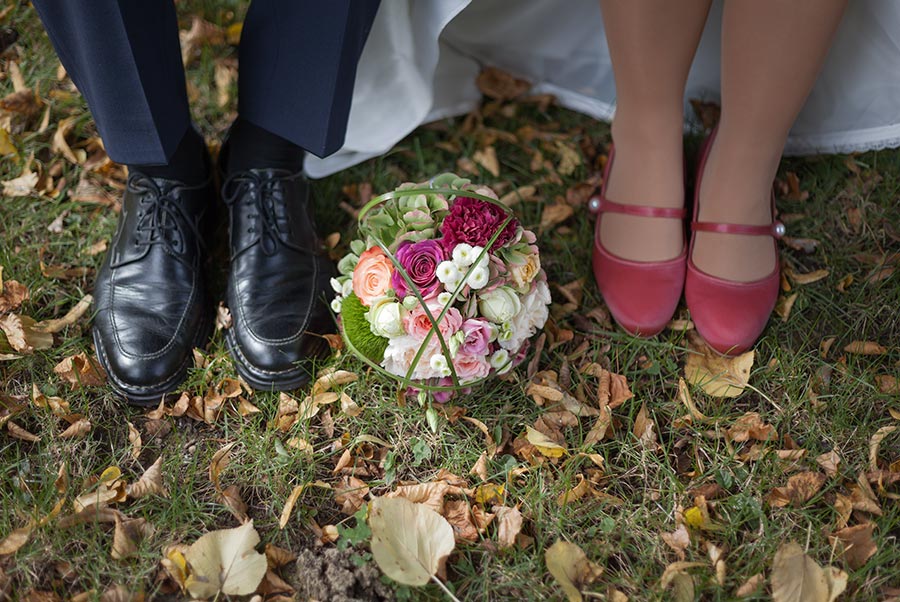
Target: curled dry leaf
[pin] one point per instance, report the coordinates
(489, 443)
(225, 562)
(12, 295)
(134, 438)
(509, 524)
(645, 429)
(750, 586)
(127, 535)
(875, 443)
(77, 429)
(79, 370)
(431, 495)
(799, 489)
(571, 568)
(330, 379)
(487, 158)
(798, 578)
(829, 461)
(679, 540)
(887, 384)
(410, 542)
(278, 557)
(857, 545)
(865, 348)
(719, 376)
(751, 426)
(150, 482)
(219, 462)
(350, 493)
(18, 432)
(22, 335)
(544, 444)
(500, 85)
(480, 468)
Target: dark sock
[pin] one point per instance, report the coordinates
(252, 147)
(188, 163)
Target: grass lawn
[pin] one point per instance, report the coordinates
(699, 491)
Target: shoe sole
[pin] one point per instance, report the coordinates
(245, 370)
(151, 396)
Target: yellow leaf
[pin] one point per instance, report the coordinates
(226, 562)
(113, 473)
(693, 517)
(544, 444)
(409, 541)
(719, 376)
(571, 568)
(489, 493)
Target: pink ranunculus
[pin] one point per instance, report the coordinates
(478, 336)
(418, 325)
(470, 367)
(474, 222)
(420, 260)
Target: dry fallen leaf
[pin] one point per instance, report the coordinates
(857, 545)
(127, 535)
(500, 85)
(750, 586)
(865, 348)
(487, 158)
(799, 489)
(509, 524)
(410, 542)
(81, 371)
(751, 426)
(150, 482)
(875, 443)
(797, 578)
(829, 461)
(719, 376)
(226, 562)
(22, 335)
(544, 444)
(571, 568)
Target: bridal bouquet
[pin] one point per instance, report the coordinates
(444, 287)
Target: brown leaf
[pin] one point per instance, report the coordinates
(81, 371)
(875, 443)
(887, 384)
(555, 214)
(278, 557)
(808, 277)
(231, 498)
(127, 535)
(829, 462)
(804, 245)
(487, 158)
(15, 540)
(77, 429)
(799, 489)
(12, 294)
(22, 186)
(571, 568)
(500, 85)
(509, 524)
(865, 348)
(480, 468)
(857, 545)
(645, 429)
(784, 306)
(72, 316)
(219, 462)
(751, 426)
(750, 586)
(150, 482)
(459, 514)
(575, 493)
(679, 540)
(59, 144)
(20, 433)
(134, 438)
(350, 494)
(22, 335)
(428, 494)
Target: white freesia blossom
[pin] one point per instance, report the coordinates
(500, 361)
(439, 364)
(463, 255)
(500, 305)
(336, 304)
(444, 298)
(337, 286)
(532, 317)
(447, 271)
(385, 317)
(478, 278)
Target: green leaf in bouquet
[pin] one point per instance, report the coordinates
(358, 246)
(358, 332)
(348, 263)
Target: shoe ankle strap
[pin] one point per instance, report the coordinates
(602, 205)
(775, 229)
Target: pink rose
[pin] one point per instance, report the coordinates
(470, 367)
(478, 336)
(372, 275)
(418, 325)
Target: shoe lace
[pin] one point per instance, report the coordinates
(264, 206)
(161, 219)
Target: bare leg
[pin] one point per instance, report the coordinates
(651, 44)
(772, 51)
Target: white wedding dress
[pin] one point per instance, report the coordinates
(422, 58)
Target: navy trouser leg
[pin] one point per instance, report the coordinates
(125, 58)
(297, 67)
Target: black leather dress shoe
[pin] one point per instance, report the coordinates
(151, 298)
(278, 279)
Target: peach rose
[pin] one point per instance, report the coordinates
(372, 275)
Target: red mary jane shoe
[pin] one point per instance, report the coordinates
(729, 315)
(641, 295)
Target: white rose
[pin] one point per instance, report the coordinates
(446, 272)
(533, 316)
(500, 305)
(478, 278)
(462, 255)
(523, 274)
(385, 318)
